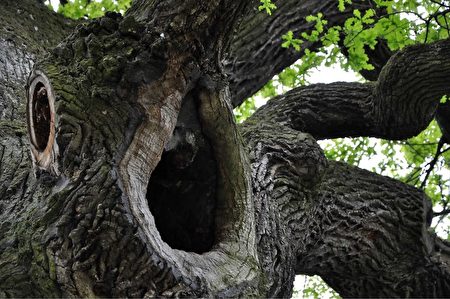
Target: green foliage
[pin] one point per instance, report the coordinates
(341, 4)
(77, 9)
(245, 110)
(351, 151)
(314, 287)
(267, 5)
(399, 23)
(290, 41)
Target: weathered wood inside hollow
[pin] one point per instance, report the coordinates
(182, 189)
(41, 122)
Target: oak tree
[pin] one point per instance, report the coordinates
(124, 174)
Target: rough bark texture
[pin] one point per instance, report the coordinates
(91, 232)
(140, 103)
(28, 31)
(286, 166)
(256, 54)
(399, 105)
(367, 236)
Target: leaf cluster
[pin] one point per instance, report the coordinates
(398, 23)
(78, 9)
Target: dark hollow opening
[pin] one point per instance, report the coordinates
(181, 192)
(41, 116)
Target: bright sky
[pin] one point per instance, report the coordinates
(55, 3)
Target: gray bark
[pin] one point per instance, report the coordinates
(399, 105)
(137, 104)
(256, 54)
(81, 224)
(366, 235)
(29, 31)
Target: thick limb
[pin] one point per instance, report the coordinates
(364, 234)
(369, 237)
(256, 53)
(399, 105)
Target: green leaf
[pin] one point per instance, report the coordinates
(267, 5)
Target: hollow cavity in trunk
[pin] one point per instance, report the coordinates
(41, 116)
(182, 189)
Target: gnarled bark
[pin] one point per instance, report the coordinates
(29, 31)
(91, 230)
(368, 236)
(121, 114)
(399, 105)
(256, 54)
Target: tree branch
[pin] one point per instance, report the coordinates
(256, 53)
(286, 166)
(368, 231)
(399, 105)
(212, 23)
(365, 234)
(433, 162)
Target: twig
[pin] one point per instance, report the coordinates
(433, 162)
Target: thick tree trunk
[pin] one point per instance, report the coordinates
(78, 223)
(133, 180)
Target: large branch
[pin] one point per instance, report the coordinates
(399, 105)
(206, 27)
(256, 53)
(286, 166)
(367, 235)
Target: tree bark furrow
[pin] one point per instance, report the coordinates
(284, 168)
(29, 30)
(15, 66)
(138, 106)
(323, 110)
(365, 234)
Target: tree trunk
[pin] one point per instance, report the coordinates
(123, 174)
